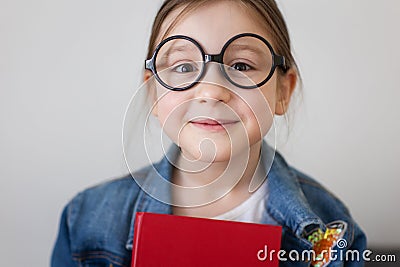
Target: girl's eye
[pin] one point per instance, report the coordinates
(184, 68)
(240, 67)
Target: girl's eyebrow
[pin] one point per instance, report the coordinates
(252, 48)
(178, 48)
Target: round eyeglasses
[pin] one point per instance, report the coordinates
(246, 60)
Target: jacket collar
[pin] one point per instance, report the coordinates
(286, 203)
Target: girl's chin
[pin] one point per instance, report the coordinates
(210, 153)
(207, 155)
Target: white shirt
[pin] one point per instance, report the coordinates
(251, 210)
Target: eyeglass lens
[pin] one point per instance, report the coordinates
(179, 63)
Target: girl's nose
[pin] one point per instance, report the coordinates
(213, 87)
(207, 92)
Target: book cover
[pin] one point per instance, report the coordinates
(169, 240)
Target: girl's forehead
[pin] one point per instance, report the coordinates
(212, 24)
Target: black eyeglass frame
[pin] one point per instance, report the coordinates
(277, 61)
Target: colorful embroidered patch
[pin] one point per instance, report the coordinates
(323, 242)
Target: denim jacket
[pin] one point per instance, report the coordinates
(96, 227)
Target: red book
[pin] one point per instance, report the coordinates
(180, 241)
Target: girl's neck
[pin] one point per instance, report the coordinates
(231, 182)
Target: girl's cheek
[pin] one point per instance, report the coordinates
(167, 101)
(167, 112)
(171, 114)
(258, 110)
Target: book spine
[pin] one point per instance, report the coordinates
(135, 249)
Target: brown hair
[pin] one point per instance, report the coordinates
(267, 11)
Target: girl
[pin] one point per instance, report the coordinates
(217, 72)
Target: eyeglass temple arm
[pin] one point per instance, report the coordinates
(280, 61)
(148, 64)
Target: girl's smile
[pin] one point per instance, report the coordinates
(212, 125)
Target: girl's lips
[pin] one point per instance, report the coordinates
(214, 125)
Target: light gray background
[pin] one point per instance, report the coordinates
(69, 68)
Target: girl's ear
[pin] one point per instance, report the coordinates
(151, 91)
(286, 85)
(146, 76)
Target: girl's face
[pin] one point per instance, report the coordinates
(214, 120)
